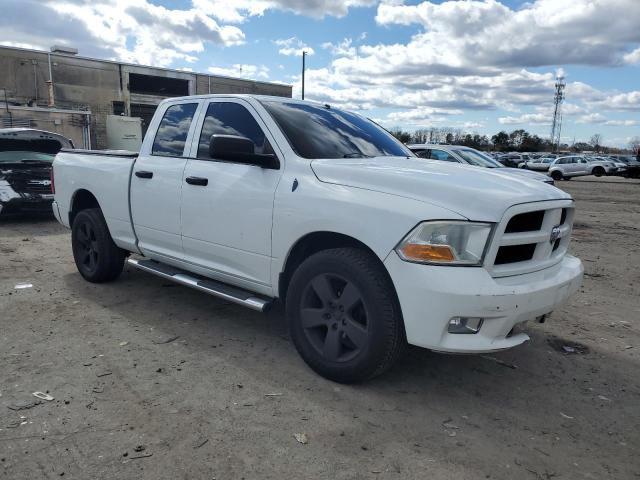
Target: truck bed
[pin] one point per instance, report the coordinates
(104, 173)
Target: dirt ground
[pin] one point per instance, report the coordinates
(156, 381)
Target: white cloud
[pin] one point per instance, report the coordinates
(472, 125)
(633, 57)
(543, 32)
(475, 55)
(140, 31)
(237, 10)
(628, 101)
(254, 72)
(343, 48)
(527, 118)
(592, 118)
(130, 30)
(622, 123)
(293, 46)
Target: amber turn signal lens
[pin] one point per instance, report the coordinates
(429, 253)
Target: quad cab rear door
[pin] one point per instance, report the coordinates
(156, 180)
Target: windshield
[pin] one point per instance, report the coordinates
(323, 132)
(19, 156)
(478, 159)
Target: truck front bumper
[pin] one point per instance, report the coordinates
(431, 296)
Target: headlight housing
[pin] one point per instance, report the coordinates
(446, 243)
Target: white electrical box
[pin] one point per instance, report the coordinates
(124, 133)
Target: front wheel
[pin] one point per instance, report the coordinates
(556, 175)
(98, 259)
(343, 315)
(598, 171)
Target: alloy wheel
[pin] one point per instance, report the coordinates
(334, 317)
(87, 246)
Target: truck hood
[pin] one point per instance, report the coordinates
(480, 194)
(526, 174)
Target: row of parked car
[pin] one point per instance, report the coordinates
(564, 167)
(544, 167)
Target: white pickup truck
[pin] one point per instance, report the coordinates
(257, 199)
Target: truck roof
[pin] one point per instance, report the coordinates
(240, 95)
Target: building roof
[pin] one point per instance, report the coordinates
(115, 62)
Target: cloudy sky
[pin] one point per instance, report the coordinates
(477, 65)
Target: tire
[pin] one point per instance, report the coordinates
(97, 258)
(556, 175)
(343, 314)
(598, 171)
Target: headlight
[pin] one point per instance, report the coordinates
(446, 243)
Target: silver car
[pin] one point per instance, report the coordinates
(564, 168)
(470, 156)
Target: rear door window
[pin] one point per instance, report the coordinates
(173, 130)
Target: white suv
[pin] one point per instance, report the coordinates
(564, 168)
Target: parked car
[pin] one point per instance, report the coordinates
(564, 168)
(628, 165)
(26, 156)
(513, 160)
(254, 199)
(471, 156)
(538, 164)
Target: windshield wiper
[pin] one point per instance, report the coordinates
(355, 155)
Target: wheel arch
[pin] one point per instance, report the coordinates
(315, 242)
(82, 199)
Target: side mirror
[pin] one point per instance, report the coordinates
(235, 148)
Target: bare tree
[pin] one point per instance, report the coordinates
(634, 145)
(596, 141)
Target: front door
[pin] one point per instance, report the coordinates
(156, 182)
(227, 207)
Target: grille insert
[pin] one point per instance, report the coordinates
(515, 253)
(525, 222)
(563, 217)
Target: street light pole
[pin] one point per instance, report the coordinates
(304, 56)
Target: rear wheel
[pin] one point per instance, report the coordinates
(343, 315)
(556, 175)
(98, 259)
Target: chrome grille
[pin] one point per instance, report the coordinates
(530, 237)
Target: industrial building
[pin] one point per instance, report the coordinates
(98, 103)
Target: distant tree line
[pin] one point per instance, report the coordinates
(517, 141)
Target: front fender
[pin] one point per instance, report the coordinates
(378, 220)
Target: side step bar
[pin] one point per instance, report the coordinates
(212, 287)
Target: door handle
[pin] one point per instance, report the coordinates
(144, 174)
(203, 182)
